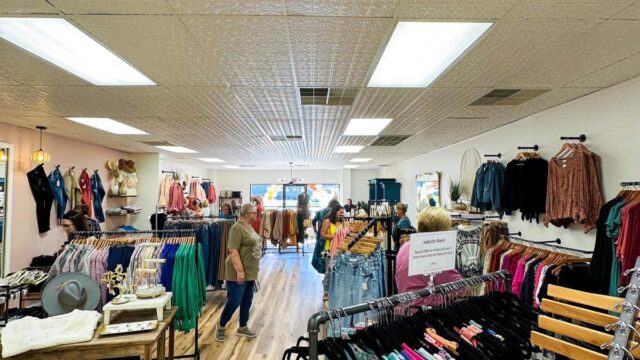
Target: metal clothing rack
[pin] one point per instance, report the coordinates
(630, 183)
(498, 155)
(581, 138)
(196, 354)
(534, 147)
(549, 243)
(319, 318)
(619, 347)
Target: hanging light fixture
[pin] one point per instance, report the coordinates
(40, 156)
(291, 180)
(3, 155)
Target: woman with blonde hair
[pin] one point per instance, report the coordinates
(430, 219)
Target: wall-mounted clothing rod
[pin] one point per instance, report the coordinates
(581, 138)
(550, 243)
(534, 147)
(519, 233)
(124, 232)
(630, 183)
(168, 172)
(206, 179)
(498, 155)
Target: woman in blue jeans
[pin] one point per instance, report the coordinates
(242, 266)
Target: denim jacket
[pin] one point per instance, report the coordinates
(488, 187)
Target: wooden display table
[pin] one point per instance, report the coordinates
(137, 344)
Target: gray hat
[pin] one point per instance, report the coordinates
(70, 291)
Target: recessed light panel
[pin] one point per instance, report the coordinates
(366, 127)
(109, 125)
(348, 149)
(62, 44)
(177, 149)
(351, 166)
(211, 160)
(232, 166)
(418, 52)
(361, 160)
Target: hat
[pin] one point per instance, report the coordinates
(112, 165)
(70, 291)
(127, 165)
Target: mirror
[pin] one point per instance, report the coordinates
(428, 186)
(4, 156)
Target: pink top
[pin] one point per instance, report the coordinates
(418, 282)
(412, 354)
(338, 237)
(518, 277)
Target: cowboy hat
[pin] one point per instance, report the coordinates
(70, 291)
(127, 165)
(112, 165)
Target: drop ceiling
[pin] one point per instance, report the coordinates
(229, 72)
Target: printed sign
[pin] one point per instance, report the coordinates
(432, 252)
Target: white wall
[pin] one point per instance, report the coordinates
(148, 172)
(610, 119)
(360, 184)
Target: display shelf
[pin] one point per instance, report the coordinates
(123, 196)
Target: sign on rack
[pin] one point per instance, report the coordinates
(432, 252)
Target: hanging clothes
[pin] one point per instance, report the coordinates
(56, 183)
(525, 187)
(72, 188)
(574, 193)
(41, 192)
(176, 199)
(85, 188)
(468, 260)
(164, 193)
(487, 187)
(98, 196)
(492, 232)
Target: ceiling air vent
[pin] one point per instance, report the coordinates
(286, 137)
(509, 96)
(389, 140)
(157, 143)
(328, 96)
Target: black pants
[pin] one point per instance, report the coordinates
(42, 194)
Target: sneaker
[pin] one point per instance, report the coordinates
(246, 332)
(219, 333)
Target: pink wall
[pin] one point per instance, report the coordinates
(26, 243)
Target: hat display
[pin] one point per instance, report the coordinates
(70, 291)
(112, 165)
(128, 166)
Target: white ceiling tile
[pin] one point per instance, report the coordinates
(104, 7)
(11, 7)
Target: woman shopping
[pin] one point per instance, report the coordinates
(241, 272)
(328, 230)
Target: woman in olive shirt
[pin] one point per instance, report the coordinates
(241, 271)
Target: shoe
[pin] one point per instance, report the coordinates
(220, 333)
(246, 332)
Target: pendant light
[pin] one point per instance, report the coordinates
(291, 180)
(40, 156)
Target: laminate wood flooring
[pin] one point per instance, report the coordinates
(290, 292)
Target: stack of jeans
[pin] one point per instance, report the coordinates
(356, 279)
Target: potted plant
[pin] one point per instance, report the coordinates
(455, 192)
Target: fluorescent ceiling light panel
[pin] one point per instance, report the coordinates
(351, 166)
(348, 149)
(211, 160)
(109, 125)
(60, 43)
(361, 160)
(366, 127)
(232, 166)
(177, 149)
(418, 52)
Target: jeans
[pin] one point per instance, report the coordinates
(98, 196)
(238, 296)
(56, 183)
(326, 280)
(317, 261)
(354, 280)
(41, 192)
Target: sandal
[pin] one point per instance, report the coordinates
(325, 297)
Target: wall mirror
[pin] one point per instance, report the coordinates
(428, 187)
(4, 170)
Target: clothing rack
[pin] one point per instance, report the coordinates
(193, 217)
(581, 138)
(362, 233)
(630, 183)
(498, 155)
(534, 147)
(550, 244)
(619, 347)
(319, 318)
(168, 172)
(196, 354)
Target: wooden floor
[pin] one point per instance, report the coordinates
(291, 291)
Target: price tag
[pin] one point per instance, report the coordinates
(432, 252)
